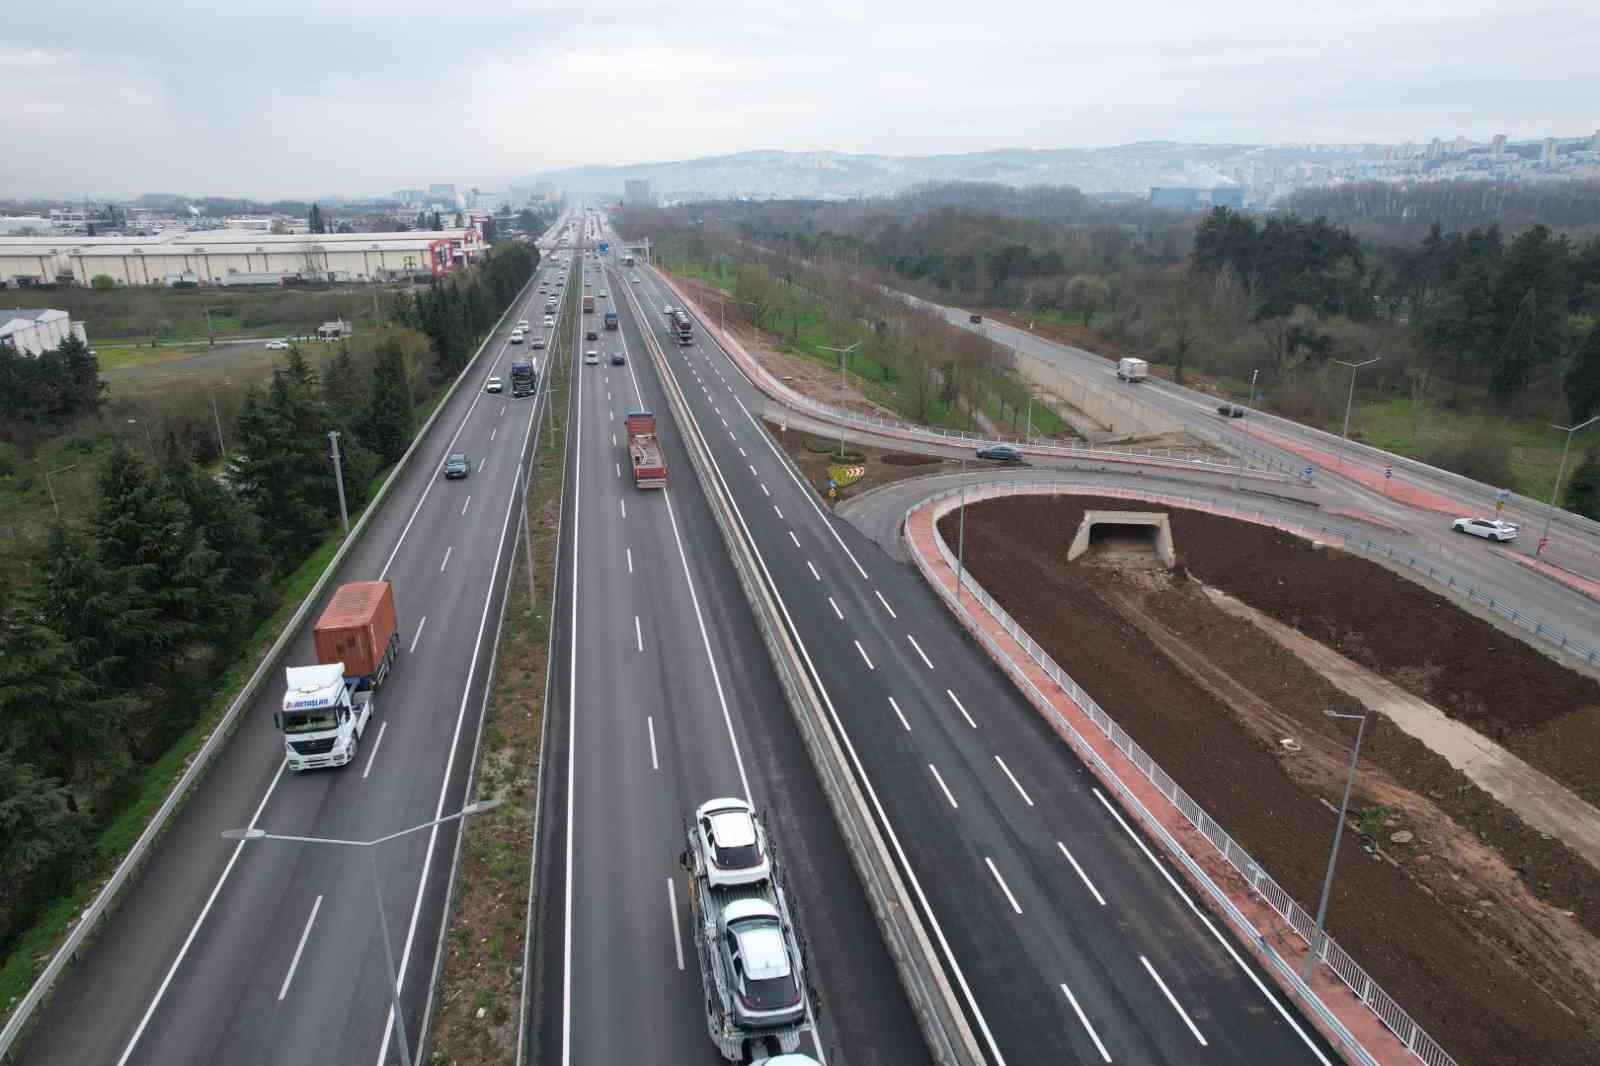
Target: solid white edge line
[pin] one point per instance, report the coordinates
(199, 920)
(864, 658)
(448, 549)
(372, 756)
(1215, 932)
(1014, 782)
(1165, 991)
(572, 728)
(944, 787)
(883, 601)
(650, 724)
(960, 708)
(417, 635)
(672, 912)
(294, 963)
(900, 715)
(1098, 898)
(1006, 889)
(1105, 1055)
(920, 652)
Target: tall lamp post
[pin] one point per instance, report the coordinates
(844, 353)
(48, 474)
(377, 890)
(1555, 493)
(1348, 400)
(1333, 856)
(222, 445)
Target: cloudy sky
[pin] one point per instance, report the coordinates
(307, 98)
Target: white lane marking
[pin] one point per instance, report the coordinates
(741, 453)
(777, 512)
(794, 538)
(502, 409)
(1165, 991)
(885, 603)
(608, 397)
(753, 470)
(294, 963)
(672, 912)
(814, 575)
(1015, 783)
(184, 950)
(372, 756)
(960, 708)
(863, 652)
(630, 559)
(623, 504)
(944, 787)
(484, 460)
(920, 652)
(418, 635)
(1206, 919)
(492, 432)
(638, 634)
(724, 421)
(1105, 1055)
(655, 764)
(1095, 892)
(838, 613)
(731, 436)
(1004, 888)
(466, 505)
(619, 468)
(613, 440)
(448, 549)
(764, 489)
(899, 714)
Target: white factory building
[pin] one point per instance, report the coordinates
(211, 257)
(35, 330)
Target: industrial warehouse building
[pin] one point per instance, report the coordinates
(212, 257)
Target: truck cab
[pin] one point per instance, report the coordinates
(323, 716)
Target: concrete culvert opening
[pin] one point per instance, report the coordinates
(1126, 534)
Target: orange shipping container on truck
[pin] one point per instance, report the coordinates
(357, 627)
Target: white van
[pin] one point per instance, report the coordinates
(1134, 370)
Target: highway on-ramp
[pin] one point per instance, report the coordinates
(1066, 936)
(267, 952)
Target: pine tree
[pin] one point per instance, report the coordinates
(102, 611)
(281, 468)
(342, 393)
(82, 370)
(389, 421)
(44, 841)
(231, 530)
(1583, 491)
(51, 714)
(1583, 379)
(315, 222)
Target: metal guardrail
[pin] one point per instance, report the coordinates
(1411, 1035)
(100, 906)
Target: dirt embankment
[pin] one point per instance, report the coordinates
(1482, 928)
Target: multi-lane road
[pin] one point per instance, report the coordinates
(1065, 936)
(265, 952)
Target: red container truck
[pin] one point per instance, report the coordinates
(359, 629)
(644, 451)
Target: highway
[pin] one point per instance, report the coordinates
(267, 952)
(1065, 936)
(665, 697)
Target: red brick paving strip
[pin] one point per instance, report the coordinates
(1577, 582)
(1369, 476)
(1271, 929)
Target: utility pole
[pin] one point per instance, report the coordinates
(1333, 856)
(338, 480)
(844, 354)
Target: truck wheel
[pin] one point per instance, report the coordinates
(355, 750)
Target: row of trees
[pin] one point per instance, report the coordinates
(51, 387)
(455, 315)
(113, 648)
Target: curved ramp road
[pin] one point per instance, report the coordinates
(665, 697)
(269, 953)
(1064, 936)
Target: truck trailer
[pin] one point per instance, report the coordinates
(524, 378)
(588, 304)
(326, 707)
(644, 451)
(611, 320)
(359, 629)
(682, 328)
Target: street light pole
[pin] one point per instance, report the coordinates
(48, 474)
(1333, 857)
(1253, 375)
(338, 480)
(1561, 471)
(253, 833)
(961, 535)
(844, 353)
(148, 438)
(222, 445)
(1348, 400)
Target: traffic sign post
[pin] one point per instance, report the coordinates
(1388, 472)
(1500, 500)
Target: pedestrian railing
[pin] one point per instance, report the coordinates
(1410, 1034)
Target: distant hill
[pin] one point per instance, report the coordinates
(1131, 168)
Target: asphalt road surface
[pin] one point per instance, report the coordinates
(1066, 938)
(267, 952)
(665, 697)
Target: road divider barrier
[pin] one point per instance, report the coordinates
(1411, 1035)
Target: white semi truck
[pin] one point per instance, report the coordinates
(324, 714)
(751, 966)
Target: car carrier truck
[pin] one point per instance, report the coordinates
(326, 707)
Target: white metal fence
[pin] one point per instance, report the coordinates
(1410, 1034)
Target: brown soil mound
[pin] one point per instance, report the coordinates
(1209, 697)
